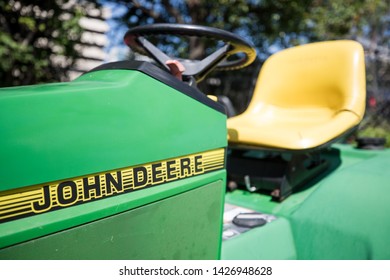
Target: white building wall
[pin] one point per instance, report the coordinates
(93, 41)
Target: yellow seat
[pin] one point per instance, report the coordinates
(305, 97)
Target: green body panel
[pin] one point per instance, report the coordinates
(348, 217)
(108, 120)
(21, 230)
(185, 226)
(273, 241)
(341, 216)
(102, 121)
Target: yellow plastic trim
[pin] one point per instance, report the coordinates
(213, 97)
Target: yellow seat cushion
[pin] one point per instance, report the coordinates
(305, 97)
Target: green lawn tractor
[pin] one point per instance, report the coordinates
(129, 161)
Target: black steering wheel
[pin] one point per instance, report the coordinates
(197, 69)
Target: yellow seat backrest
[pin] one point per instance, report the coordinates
(301, 89)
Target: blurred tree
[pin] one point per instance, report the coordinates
(367, 21)
(265, 22)
(37, 39)
(270, 24)
(262, 22)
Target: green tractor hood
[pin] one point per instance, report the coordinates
(108, 158)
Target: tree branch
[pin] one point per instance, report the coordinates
(173, 11)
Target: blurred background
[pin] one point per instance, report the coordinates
(51, 41)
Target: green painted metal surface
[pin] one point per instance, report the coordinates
(271, 242)
(341, 216)
(185, 226)
(348, 216)
(102, 121)
(22, 230)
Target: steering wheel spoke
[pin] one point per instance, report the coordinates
(197, 69)
(200, 69)
(153, 51)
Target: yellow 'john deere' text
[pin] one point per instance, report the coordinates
(43, 198)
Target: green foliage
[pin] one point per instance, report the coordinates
(382, 131)
(37, 40)
(344, 18)
(265, 22)
(376, 122)
(278, 23)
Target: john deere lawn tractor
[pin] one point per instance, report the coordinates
(129, 162)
